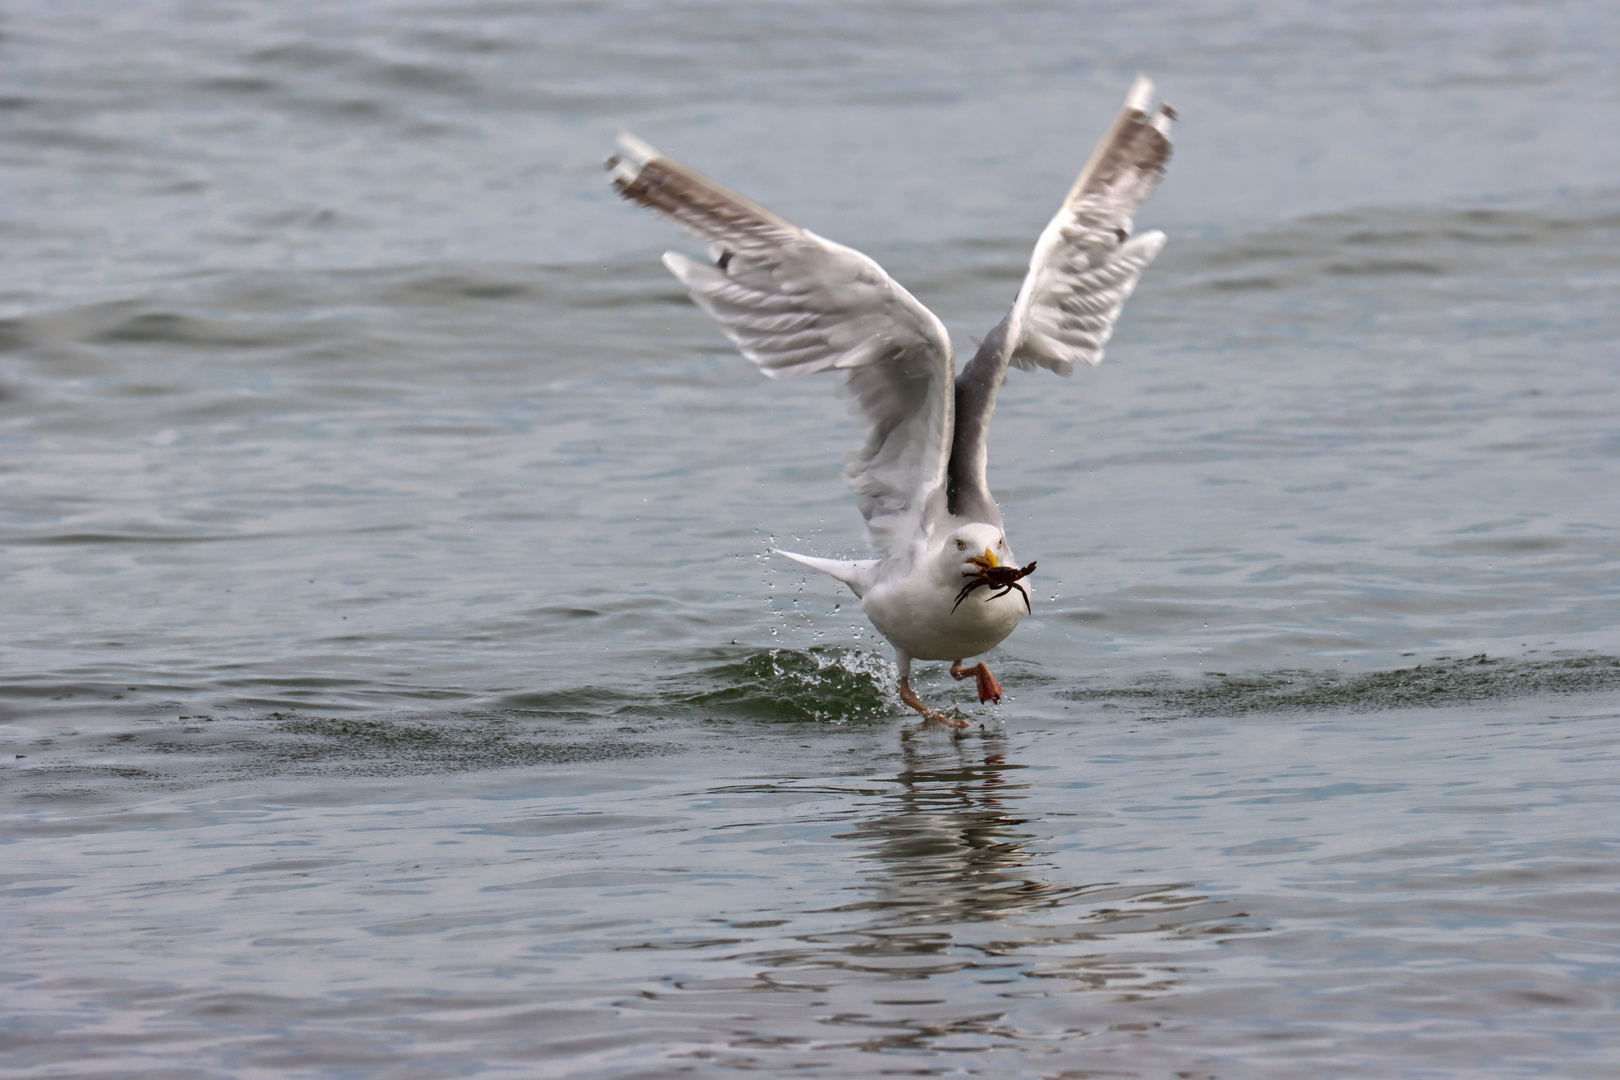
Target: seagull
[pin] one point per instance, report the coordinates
(796, 304)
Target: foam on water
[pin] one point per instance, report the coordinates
(819, 683)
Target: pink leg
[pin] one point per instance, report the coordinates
(989, 688)
(909, 696)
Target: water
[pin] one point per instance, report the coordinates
(394, 681)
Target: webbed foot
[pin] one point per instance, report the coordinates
(933, 716)
(989, 688)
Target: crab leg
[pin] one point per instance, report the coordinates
(969, 587)
(1009, 587)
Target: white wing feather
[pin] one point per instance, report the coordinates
(1086, 263)
(795, 303)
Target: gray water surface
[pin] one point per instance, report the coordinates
(395, 682)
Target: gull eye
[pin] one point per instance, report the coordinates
(1002, 542)
(961, 545)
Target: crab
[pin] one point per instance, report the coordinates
(996, 576)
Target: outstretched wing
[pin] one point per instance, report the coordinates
(1087, 262)
(1084, 267)
(794, 304)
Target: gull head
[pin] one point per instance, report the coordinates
(971, 549)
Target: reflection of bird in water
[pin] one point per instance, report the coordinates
(959, 883)
(963, 939)
(796, 304)
(950, 843)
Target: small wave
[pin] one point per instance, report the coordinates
(304, 56)
(398, 746)
(236, 84)
(819, 683)
(816, 684)
(129, 322)
(1375, 244)
(1444, 682)
(434, 78)
(433, 287)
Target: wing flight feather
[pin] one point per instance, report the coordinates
(1086, 263)
(1083, 268)
(794, 304)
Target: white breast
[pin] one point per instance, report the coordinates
(915, 614)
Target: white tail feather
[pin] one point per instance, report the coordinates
(856, 573)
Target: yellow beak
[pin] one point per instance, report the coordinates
(988, 554)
